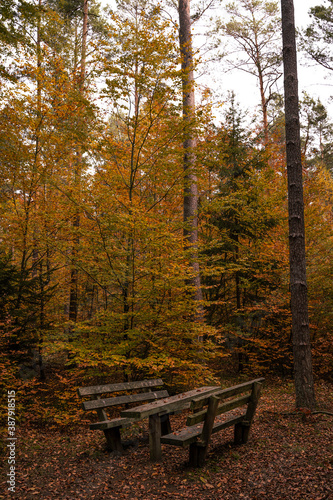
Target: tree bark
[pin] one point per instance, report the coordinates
(73, 296)
(190, 180)
(263, 105)
(261, 85)
(303, 374)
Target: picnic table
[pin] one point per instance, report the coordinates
(164, 406)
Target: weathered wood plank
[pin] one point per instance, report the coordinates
(197, 435)
(196, 418)
(172, 403)
(225, 393)
(119, 400)
(110, 424)
(121, 386)
(218, 426)
(190, 434)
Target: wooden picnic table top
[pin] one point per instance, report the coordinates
(178, 402)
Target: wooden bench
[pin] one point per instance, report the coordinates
(111, 427)
(202, 423)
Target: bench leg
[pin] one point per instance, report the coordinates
(242, 432)
(193, 455)
(238, 434)
(246, 432)
(197, 455)
(165, 425)
(155, 438)
(198, 450)
(113, 439)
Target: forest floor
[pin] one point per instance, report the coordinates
(288, 456)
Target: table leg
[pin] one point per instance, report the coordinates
(155, 438)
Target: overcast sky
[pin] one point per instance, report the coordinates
(315, 81)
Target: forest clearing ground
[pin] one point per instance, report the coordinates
(287, 457)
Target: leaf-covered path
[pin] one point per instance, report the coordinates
(289, 456)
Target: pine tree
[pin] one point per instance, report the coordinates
(253, 26)
(304, 386)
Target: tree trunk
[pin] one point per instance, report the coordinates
(261, 87)
(304, 387)
(73, 296)
(35, 252)
(263, 106)
(190, 179)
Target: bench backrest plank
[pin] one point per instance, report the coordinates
(119, 387)
(200, 416)
(119, 400)
(225, 393)
(253, 388)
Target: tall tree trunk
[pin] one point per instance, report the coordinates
(261, 86)
(35, 252)
(190, 179)
(304, 387)
(263, 105)
(73, 296)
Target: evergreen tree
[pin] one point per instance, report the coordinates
(317, 133)
(15, 16)
(254, 26)
(237, 221)
(317, 38)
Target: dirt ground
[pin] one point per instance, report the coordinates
(288, 456)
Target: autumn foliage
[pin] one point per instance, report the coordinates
(91, 217)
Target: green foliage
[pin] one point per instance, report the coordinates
(22, 299)
(169, 350)
(13, 13)
(14, 16)
(242, 273)
(318, 37)
(317, 133)
(318, 190)
(108, 152)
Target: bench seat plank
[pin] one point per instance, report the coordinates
(110, 424)
(197, 435)
(119, 400)
(121, 386)
(190, 434)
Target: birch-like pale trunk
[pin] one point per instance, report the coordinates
(190, 179)
(73, 296)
